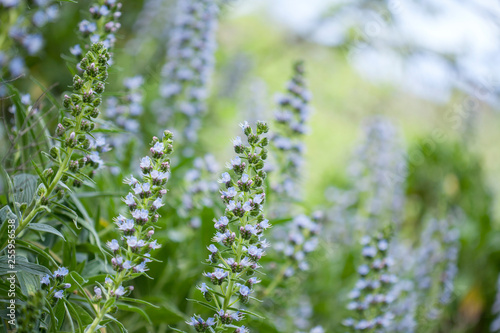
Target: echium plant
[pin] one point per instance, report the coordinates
(20, 35)
(34, 313)
(371, 297)
(437, 255)
(190, 61)
(296, 239)
(379, 173)
(239, 237)
(71, 157)
(404, 293)
(287, 138)
(101, 27)
(132, 251)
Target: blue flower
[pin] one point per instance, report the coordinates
(45, 280)
(58, 294)
(61, 272)
(113, 245)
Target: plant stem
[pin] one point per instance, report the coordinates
(102, 312)
(277, 280)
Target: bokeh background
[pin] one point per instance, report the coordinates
(430, 68)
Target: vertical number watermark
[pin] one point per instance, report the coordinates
(11, 251)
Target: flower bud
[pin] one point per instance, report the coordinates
(60, 130)
(99, 87)
(54, 152)
(167, 135)
(262, 127)
(77, 82)
(66, 101)
(48, 172)
(94, 113)
(253, 139)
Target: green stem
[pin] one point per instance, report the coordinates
(104, 310)
(276, 281)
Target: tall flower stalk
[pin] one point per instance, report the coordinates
(239, 243)
(378, 174)
(287, 139)
(437, 255)
(190, 61)
(371, 297)
(131, 252)
(72, 154)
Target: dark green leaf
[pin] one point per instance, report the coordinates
(45, 228)
(25, 186)
(22, 264)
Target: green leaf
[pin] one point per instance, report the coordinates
(248, 312)
(7, 214)
(128, 307)
(45, 228)
(28, 282)
(140, 301)
(78, 280)
(40, 174)
(176, 330)
(120, 325)
(205, 304)
(60, 313)
(70, 318)
(36, 249)
(81, 316)
(25, 186)
(22, 264)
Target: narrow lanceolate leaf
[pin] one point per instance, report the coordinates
(21, 264)
(45, 228)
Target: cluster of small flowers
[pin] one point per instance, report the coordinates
(239, 233)
(98, 145)
(439, 248)
(495, 325)
(190, 64)
(200, 185)
(23, 32)
(301, 238)
(82, 105)
(371, 297)
(132, 252)
(143, 205)
(403, 292)
(379, 172)
(101, 28)
(54, 284)
(291, 124)
(405, 306)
